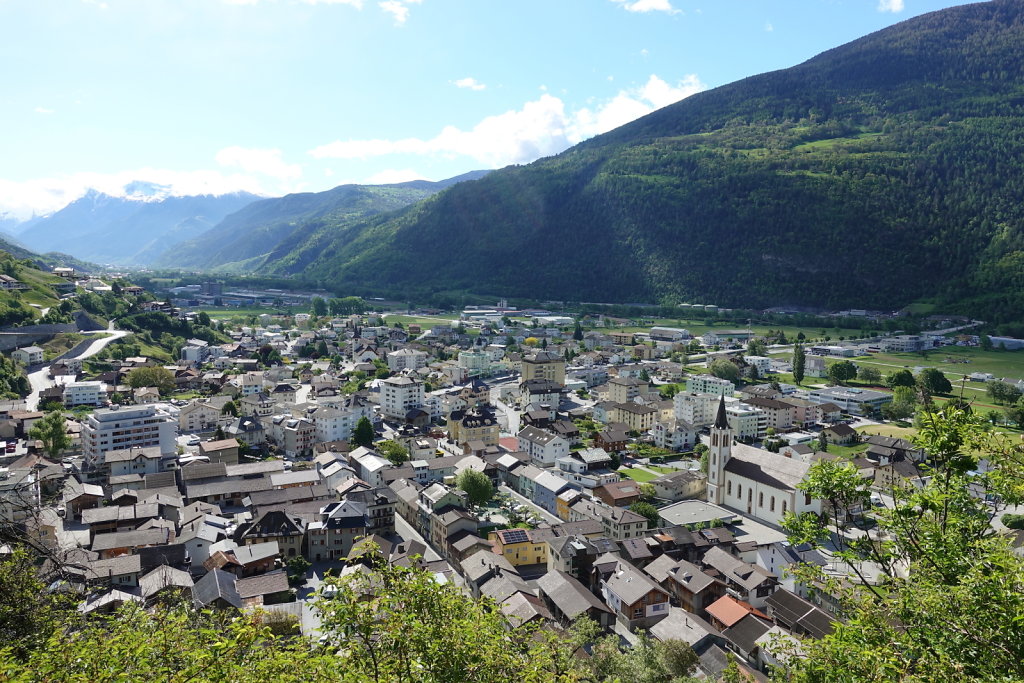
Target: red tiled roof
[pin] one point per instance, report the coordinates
(729, 610)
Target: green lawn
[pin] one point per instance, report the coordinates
(889, 430)
(218, 313)
(661, 469)
(425, 323)
(638, 475)
(699, 327)
(954, 361)
(847, 450)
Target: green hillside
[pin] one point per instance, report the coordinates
(286, 230)
(23, 306)
(879, 173)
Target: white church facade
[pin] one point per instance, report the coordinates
(757, 483)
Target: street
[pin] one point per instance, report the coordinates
(40, 380)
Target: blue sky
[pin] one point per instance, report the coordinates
(277, 96)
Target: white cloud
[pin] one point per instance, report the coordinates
(768, 27)
(399, 9)
(265, 161)
(45, 195)
(392, 176)
(470, 83)
(647, 6)
(43, 110)
(890, 6)
(541, 128)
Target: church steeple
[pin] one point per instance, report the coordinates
(718, 454)
(721, 422)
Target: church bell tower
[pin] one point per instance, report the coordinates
(718, 455)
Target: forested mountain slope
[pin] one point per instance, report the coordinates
(877, 173)
(288, 229)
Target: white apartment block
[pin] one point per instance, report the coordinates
(30, 355)
(709, 384)
(117, 428)
(85, 394)
(762, 363)
(695, 409)
(746, 421)
(475, 361)
(336, 423)
(406, 359)
(399, 395)
(544, 447)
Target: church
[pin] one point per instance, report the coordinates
(755, 482)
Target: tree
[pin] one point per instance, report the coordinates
(230, 408)
(866, 373)
(949, 604)
(531, 342)
(297, 568)
(577, 332)
(1015, 413)
(203, 318)
(393, 451)
(757, 347)
(1002, 392)
(363, 434)
(702, 450)
(52, 430)
(985, 341)
(934, 381)
(649, 511)
(900, 378)
(477, 485)
(725, 369)
(647, 492)
(823, 441)
(903, 404)
(416, 629)
(319, 306)
(799, 361)
(841, 372)
(161, 378)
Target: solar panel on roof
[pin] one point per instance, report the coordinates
(515, 536)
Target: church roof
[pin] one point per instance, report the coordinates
(766, 467)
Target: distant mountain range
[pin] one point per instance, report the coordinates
(885, 171)
(286, 233)
(132, 230)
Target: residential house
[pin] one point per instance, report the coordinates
(543, 447)
(637, 601)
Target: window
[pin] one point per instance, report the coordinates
(638, 612)
(772, 508)
(760, 500)
(783, 507)
(728, 487)
(807, 499)
(739, 490)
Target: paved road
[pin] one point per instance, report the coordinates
(39, 379)
(403, 529)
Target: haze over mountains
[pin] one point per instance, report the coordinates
(881, 172)
(130, 230)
